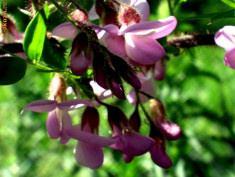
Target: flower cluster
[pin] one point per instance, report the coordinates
(124, 48)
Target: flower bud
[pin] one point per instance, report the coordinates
(78, 55)
(115, 83)
(91, 117)
(116, 118)
(125, 71)
(134, 121)
(170, 130)
(99, 66)
(79, 15)
(58, 88)
(106, 11)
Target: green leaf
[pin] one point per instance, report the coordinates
(53, 54)
(11, 70)
(230, 3)
(214, 16)
(35, 34)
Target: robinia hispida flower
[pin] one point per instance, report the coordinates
(101, 58)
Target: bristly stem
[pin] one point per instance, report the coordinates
(63, 12)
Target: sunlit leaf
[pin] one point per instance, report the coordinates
(11, 70)
(230, 3)
(35, 34)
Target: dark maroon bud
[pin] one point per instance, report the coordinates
(134, 121)
(115, 84)
(80, 43)
(99, 69)
(91, 117)
(78, 58)
(125, 71)
(107, 12)
(116, 117)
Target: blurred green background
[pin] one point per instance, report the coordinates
(198, 94)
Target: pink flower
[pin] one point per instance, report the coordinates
(89, 148)
(58, 121)
(138, 41)
(225, 38)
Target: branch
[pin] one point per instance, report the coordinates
(187, 41)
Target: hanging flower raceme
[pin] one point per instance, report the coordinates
(225, 38)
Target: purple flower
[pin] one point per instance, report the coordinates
(158, 154)
(138, 41)
(89, 148)
(130, 143)
(170, 130)
(58, 121)
(225, 38)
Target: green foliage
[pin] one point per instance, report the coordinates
(230, 3)
(53, 55)
(35, 34)
(11, 70)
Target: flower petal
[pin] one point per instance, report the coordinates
(89, 155)
(79, 64)
(133, 144)
(41, 106)
(65, 30)
(73, 104)
(160, 157)
(152, 29)
(127, 158)
(170, 130)
(160, 70)
(53, 125)
(143, 50)
(142, 7)
(66, 125)
(229, 58)
(115, 44)
(90, 138)
(225, 37)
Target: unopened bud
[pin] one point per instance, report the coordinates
(157, 109)
(58, 88)
(79, 15)
(91, 117)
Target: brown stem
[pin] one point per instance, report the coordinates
(187, 41)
